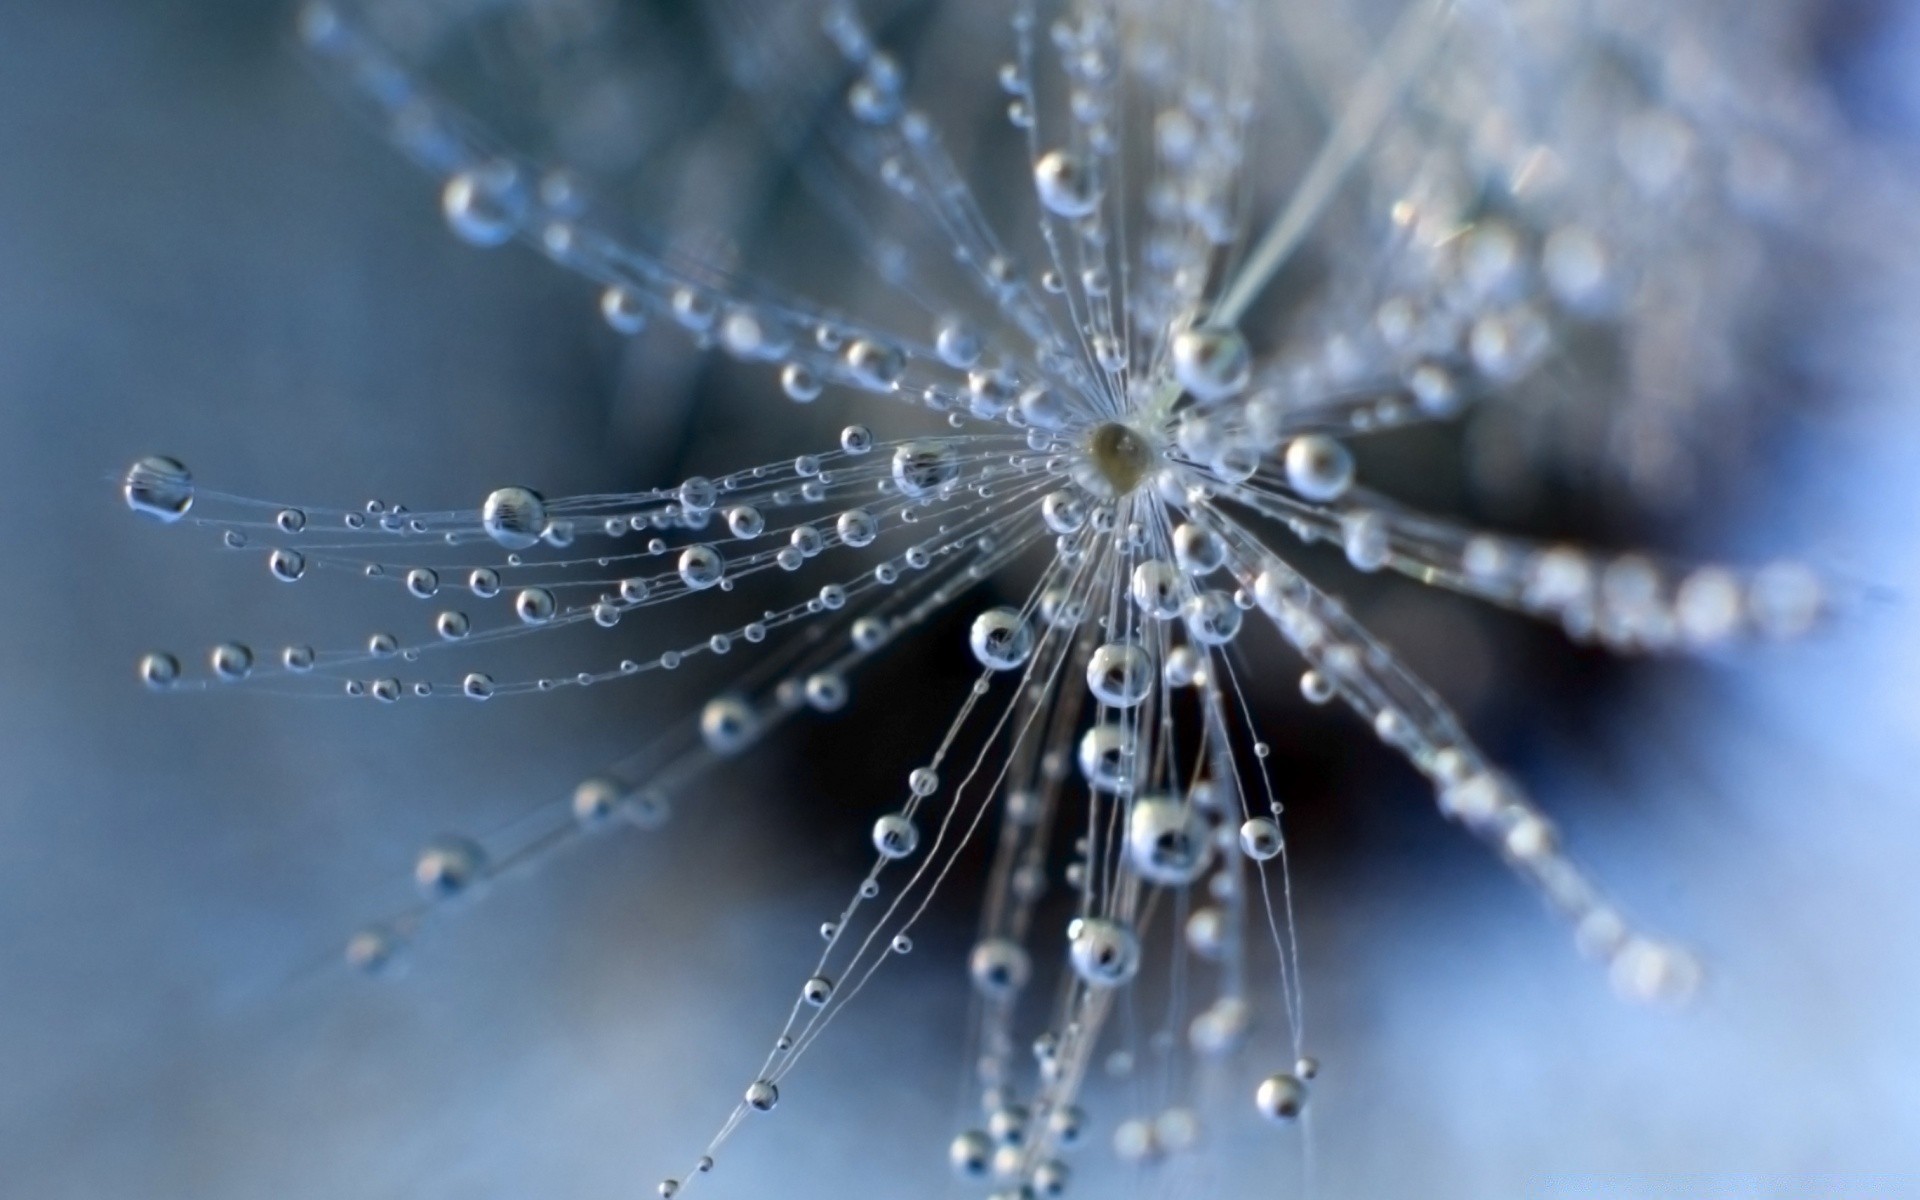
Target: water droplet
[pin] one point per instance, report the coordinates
(1065, 184)
(1001, 639)
(1280, 1098)
(231, 661)
(1104, 953)
(160, 487)
(514, 517)
(1167, 841)
(1120, 674)
(1211, 363)
(485, 205)
(895, 835)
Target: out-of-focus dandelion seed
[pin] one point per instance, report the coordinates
(1117, 416)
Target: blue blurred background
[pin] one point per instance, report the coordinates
(201, 254)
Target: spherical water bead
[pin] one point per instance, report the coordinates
(375, 951)
(159, 671)
(422, 583)
(1067, 1124)
(1104, 953)
(856, 439)
(874, 365)
(1316, 687)
(923, 781)
(1708, 605)
(477, 686)
(999, 967)
(484, 582)
(1198, 550)
(1260, 838)
(799, 382)
(1365, 537)
(1106, 758)
(1007, 1124)
(535, 605)
(807, 540)
(449, 868)
(1211, 363)
(745, 521)
(231, 661)
(701, 567)
(895, 835)
(816, 991)
(597, 801)
(921, 468)
(668, 1189)
(1318, 467)
(856, 528)
(971, 1154)
(868, 633)
(1001, 639)
(1167, 841)
(452, 625)
(623, 309)
(1065, 184)
(762, 1095)
(485, 205)
(1184, 666)
(1212, 618)
(160, 487)
(727, 724)
(826, 691)
(514, 517)
(957, 342)
(1206, 932)
(1156, 588)
(1120, 674)
(1280, 1098)
(1064, 511)
(287, 565)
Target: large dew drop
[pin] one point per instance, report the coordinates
(160, 487)
(514, 517)
(1211, 363)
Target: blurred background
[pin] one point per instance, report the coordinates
(204, 254)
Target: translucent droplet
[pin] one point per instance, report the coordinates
(160, 487)
(287, 565)
(971, 1154)
(159, 671)
(921, 468)
(856, 527)
(1280, 1098)
(623, 310)
(957, 342)
(1167, 841)
(1260, 838)
(290, 520)
(514, 517)
(816, 991)
(1001, 639)
(762, 1095)
(1211, 363)
(895, 835)
(535, 605)
(856, 439)
(449, 868)
(231, 661)
(999, 967)
(1120, 674)
(728, 724)
(477, 686)
(701, 567)
(1104, 953)
(1318, 467)
(1065, 184)
(452, 625)
(745, 521)
(485, 205)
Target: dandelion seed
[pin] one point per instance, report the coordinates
(1118, 417)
